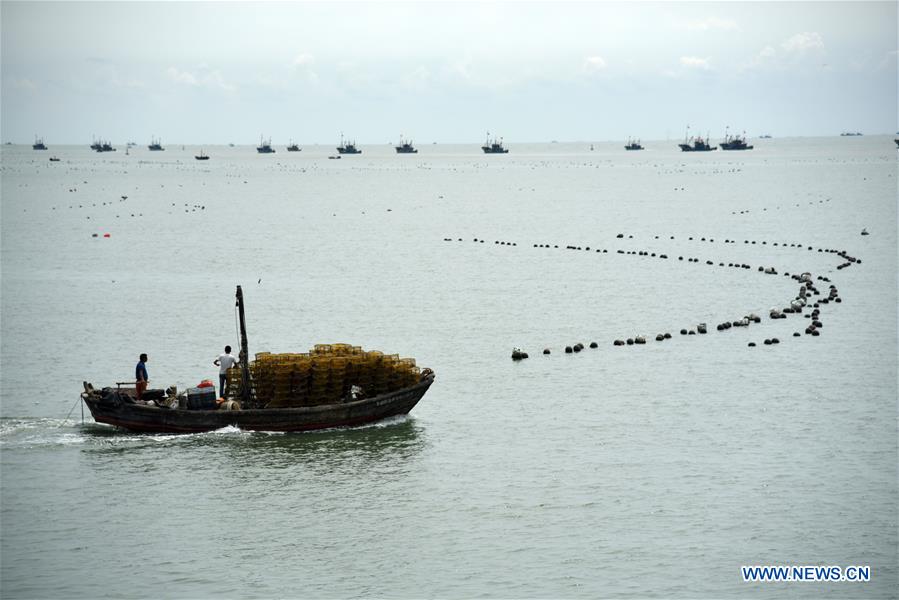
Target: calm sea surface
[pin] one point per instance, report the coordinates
(636, 471)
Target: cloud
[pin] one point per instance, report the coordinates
(182, 76)
(766, 56)
(303, 64)
(804, 42)
(711, 23)
(209, 78)
(419, 79)
(594, 63)
(461, 68)
(888, 61)
(694, 62)
(215, 79)
(24, 84)
(790, 53)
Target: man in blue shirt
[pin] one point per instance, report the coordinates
(140, 374)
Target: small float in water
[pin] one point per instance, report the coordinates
(335, 385)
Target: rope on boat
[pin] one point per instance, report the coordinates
(73, 408)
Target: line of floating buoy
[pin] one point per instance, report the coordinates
(807, 290)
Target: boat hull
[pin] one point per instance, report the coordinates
(154, 419)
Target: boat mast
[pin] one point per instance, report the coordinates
(244, 356)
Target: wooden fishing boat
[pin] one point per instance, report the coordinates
(251, 411)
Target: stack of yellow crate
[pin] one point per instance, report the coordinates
(324, 376)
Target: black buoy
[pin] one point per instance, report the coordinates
(594, 345)
(546, 351)
(568, 350)
(683, 332)
(751, 344)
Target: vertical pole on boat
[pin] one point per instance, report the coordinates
(244, 353)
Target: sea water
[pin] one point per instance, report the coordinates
(632, 471)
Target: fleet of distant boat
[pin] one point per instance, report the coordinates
(495, 145)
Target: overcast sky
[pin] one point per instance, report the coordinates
(219, 72)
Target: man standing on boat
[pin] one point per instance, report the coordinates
(224, 362)
(140, 374)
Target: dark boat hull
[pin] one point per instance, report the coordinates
(152, 419)
(737, 147)
(688, 148)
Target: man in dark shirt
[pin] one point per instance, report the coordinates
(140, 374)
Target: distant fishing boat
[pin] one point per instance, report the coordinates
(765, 137)
(202, 156)
(38, 144)
(850, 134)
(101, 146)
(347, 147)
(155, 145)
(54, 159)
(293, 147)
(734, 142)
(494, 146)
(698, 144)
(633, 145)
(265, 147)
(405, 147)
